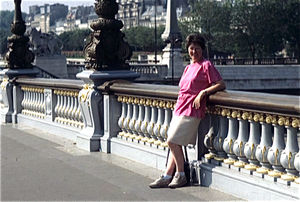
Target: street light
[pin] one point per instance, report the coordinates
(173, 41)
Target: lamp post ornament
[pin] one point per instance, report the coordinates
(18, 55)
(107, 49)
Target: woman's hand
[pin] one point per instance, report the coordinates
(198, 99)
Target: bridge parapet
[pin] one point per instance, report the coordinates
(248, 142)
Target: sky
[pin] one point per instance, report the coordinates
(10, 5)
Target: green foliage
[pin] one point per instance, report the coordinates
(74, 40)
(143, 38)
(6, 19)
(246, 28)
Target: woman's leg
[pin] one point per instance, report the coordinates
(171, 165)
(177, 155)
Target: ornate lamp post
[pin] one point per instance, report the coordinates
(106, 55)
(18, 59)
(107, 49)
(18, 55)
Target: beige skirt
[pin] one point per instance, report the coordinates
(183, 130)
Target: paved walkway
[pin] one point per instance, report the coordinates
(37, 166)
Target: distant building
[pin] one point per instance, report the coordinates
(45, 16)
(59, 18)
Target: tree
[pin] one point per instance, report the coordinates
(212, 20)
(291, 25)
(142, 38)
(74, 40)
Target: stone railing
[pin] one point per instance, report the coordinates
(48, 104)
(245, 135)
(252, 134)
(256, 61)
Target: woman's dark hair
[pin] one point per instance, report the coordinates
(195, 39)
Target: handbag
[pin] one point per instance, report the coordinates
(187, 169)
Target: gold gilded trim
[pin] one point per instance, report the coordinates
(229, 161)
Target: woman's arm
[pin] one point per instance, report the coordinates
(218, 86)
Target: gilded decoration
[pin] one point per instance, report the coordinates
(4, 83)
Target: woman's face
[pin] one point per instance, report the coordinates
(195, 52)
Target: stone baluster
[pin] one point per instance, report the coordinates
(134, 118)
(27, 103)
(123, 114)
(291, 149)
(65, 105)
(146, 120)
(231, 137)
(159, 123)
(59, 106)
(30, 104)
(68, 107)
(26, 107)
(43, 102)
(278, 146)
(153, 120)
(164, 128)
(222, 133)
(265, 144)
(128, 117)
(25, 98)
(254, 139)
(71, 109)
(39, 101)
(212, 133)
(243, 136)
(56, 92)
(296, 123)
(79, 116)
(138, 123)
(35, 101)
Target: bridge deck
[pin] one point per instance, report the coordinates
(38, 166)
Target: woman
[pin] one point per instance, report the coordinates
(199, 80)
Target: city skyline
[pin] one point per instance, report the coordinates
(9, 5)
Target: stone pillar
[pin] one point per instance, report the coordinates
(172, 36)
(111, 117)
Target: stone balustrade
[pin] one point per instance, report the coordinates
(246, 135)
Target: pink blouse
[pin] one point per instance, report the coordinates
(196, 77)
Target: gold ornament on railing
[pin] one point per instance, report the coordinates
(269, 119)
(142, 101)
(162, 104)
(295, 122)
(148, 102)
(287, 122)
(245, 115)
(234, 114)
(256, 117)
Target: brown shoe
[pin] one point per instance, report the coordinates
(160, 182)
(178, 181)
